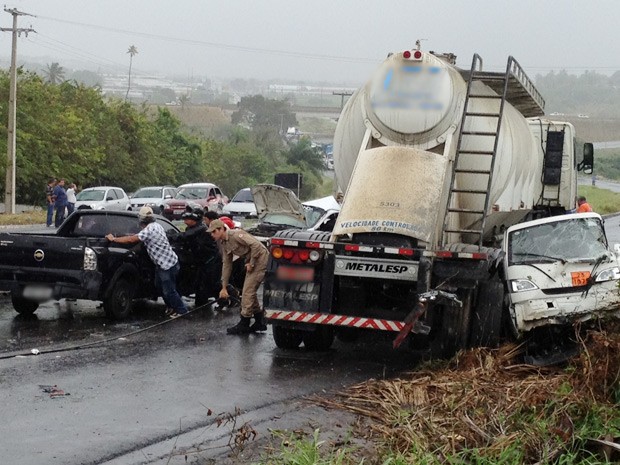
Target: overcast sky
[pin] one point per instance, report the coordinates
(318, 40)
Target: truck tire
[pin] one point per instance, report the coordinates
(287, 338)
(119, 302)
(23, 306)
(486, 320)
(320, 340)
(453, 331)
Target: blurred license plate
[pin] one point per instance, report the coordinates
(37, 292)
(178, 212)
(295, 273)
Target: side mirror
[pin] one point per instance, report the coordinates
(167, 196)
(587, 165)
(107, 199)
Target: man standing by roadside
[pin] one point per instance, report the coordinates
(60, 202)
(240, 243)
(71, 198)
(161, 254)
(49, 199)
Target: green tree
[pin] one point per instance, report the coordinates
(257, 112)
(307, 160)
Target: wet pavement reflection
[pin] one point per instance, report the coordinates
(139, 382)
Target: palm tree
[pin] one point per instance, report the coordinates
(183, 100)
(54, 73)
(132, 51)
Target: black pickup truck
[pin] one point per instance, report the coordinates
(77, 262)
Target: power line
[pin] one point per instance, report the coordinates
(239, 48)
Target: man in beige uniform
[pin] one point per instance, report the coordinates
(240, 243)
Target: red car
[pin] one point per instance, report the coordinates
(205, 194)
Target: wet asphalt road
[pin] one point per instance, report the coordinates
(133, 399)
(129, 398)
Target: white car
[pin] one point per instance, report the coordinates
(103, 198)
(242, 204)
(279, 208)
(154, 197)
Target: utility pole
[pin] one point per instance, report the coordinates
(342, 94)
(9, 193)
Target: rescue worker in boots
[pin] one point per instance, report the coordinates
(200, 256)
(240, 243)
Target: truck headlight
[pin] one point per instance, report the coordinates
(608, 275)
(520, 285)
(90, 259)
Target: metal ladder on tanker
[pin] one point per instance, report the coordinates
(513, 86)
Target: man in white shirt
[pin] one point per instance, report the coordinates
(161, 254)
(71, 199)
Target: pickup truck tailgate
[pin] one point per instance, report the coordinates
(42, 258)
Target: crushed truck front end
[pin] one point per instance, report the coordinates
(559, 271)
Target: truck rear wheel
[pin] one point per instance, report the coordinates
(453, 331)
(486, 321)
(321, 339)
(119, 302)
(22, 305)
(287, 338)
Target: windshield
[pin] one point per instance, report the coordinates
(313, 214)
(243, 196)
(147, 193)
(283, 220)
(90, 195)
(579, 239)
(192, 193)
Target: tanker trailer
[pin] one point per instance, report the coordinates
(435, 163)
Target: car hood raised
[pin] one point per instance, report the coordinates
(272, 199)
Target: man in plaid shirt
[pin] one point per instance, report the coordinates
(166, 261)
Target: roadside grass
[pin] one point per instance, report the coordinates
(602, 201)
(30, 217)
(316, 125)
(486, 408)
(294, 450)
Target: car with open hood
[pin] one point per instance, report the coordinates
(278, 208)
(207, 195)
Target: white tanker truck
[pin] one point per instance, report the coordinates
(436, 164)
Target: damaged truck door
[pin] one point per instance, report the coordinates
(560, 270)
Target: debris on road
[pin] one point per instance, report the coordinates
(54, 391)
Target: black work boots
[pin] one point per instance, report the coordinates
(259, 322)
(243, 327)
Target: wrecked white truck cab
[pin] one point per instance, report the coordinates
(560, 270)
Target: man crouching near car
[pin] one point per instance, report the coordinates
(161, 254)
(240, 243)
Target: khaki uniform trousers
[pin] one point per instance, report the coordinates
(249, 295)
